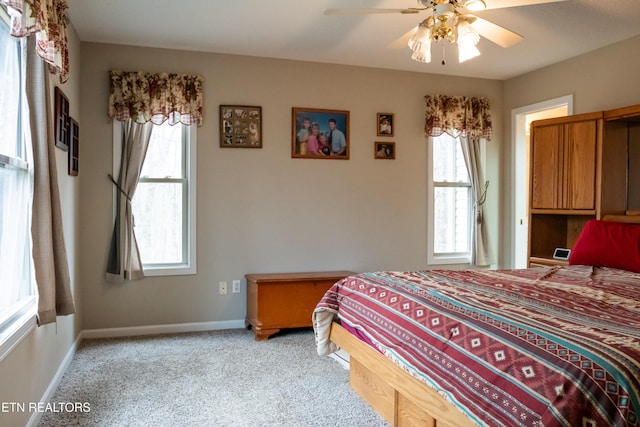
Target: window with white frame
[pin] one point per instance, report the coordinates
(17, 285)
(164, 205)
(450, 203)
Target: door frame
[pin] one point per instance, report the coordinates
(519, 168)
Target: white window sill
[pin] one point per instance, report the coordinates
(169, 271)
(448, 260)
(17, 325)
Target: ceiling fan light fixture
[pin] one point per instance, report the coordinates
(423, 54)
(475, 5)
(420, 42)
(468, 38)
(422, 35)
(445, 24)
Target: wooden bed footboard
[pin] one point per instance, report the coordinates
(398, 397)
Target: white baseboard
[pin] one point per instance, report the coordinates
(53, 385)
(126, 332)
(162, 329)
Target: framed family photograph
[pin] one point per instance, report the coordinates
(240, 126)
(385, 124)
(319, 134)
(384, 150)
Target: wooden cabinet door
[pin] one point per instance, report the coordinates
(563, 167)
(580, 165)
(546, 167)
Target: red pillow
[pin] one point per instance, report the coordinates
(608, 244)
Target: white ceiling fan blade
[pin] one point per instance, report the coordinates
(499, 4)
(495, 33)
(344, 12)
(402, 41)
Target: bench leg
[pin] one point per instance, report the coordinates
(264, 334)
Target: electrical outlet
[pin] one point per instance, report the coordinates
(223, 288)
(236, 287)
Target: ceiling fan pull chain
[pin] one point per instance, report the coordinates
(444, 61)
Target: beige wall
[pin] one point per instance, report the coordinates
(28, 370)
(604, 79)
(259, 210)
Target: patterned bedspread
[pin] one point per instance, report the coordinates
(533, 347)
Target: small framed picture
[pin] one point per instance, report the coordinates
(240, 126)
(384, 150)
(74, 139)
(385, 124)
(61, 120)
(319, 134)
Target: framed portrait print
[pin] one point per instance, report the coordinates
(385, 124)
(61, 112)
(384, 150)
(319, 134)
(240, 126)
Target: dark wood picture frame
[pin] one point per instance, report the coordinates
(240, 126)
(61, 112)
(384, 150)
(322, 126)
(384, 124)
(74, 140)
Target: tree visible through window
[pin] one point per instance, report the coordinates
(17, 287)
(164, 202)
(159, 199)
(450, 202)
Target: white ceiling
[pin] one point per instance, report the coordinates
(298, 30)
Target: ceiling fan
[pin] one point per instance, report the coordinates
(453, 21)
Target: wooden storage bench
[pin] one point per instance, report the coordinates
(285, 300)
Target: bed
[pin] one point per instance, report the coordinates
(547, 346)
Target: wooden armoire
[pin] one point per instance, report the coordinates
(581, 167)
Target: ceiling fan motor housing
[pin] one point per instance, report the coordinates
(472, 4)
(434, 3)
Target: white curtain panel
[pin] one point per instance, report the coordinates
(49, 251)
(124, 256)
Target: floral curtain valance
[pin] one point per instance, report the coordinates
(458, 115)
(156, 97)
(46, 19)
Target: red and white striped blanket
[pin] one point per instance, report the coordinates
(533, 347)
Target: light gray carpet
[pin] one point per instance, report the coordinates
(219, 378)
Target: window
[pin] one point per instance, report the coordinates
(164, 202)
(450, 205)
(17, 286)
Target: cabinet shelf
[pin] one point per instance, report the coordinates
(539, 261)
(564, 211)
(554, 230)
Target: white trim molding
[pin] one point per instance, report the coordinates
(17, 325)
(162, 329)
(126, 332)
(34, 420)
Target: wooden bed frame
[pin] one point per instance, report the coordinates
(397, 396)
